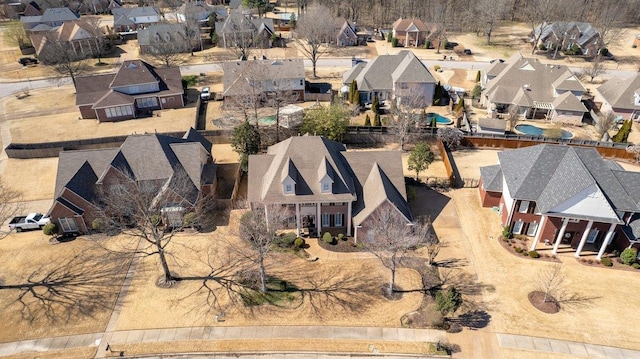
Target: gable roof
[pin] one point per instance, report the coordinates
(162, 33)
(524, 81)
(133, 15)
(554, 176)
(409, 24)
(265, 70)
(586, 30)
(149, 157)
(384, 70)
(568, 102)
(620, 92)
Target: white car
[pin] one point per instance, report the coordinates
(205, 94)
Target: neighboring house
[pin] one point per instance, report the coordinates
(346, 34)
(163, 34)
(402, 78)
(620, 96)
(564, 194)
(493, 126)
(414, 33)
(264, 77)
(196, 11)
(90, 6)
(80, 36)
(538, 90)
(239, 30)
(130, 19)
(151, 158)
(134, 91)
(32, 9)
(324, 187)
(580, 34)
(49, 20)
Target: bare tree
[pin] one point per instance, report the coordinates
(551, 283)
(539, 15)
(168, 53)
(151, 213)
(15, 35)
(63, 58)
(99, 40)
(488, 13)
(513, 117)
(594, 70)
(10, 206)
(612, 21)
(393, 236)
(450, 136)
(248, 89)
(604, 122)
(258, 228)
(313, 32)
(278, 96)
(635, 150)
(402, 121)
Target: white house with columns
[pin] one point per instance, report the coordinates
(324, 187)
(564, 195)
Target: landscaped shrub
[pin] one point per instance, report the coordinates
(604, 52)
(327, 237)
(97, 225)
(367, 121)
(299, 242)
(606, 261)
(506, 232)
(427, 44)
(155, 219)
(628, 256)
(389, 36)
(477, 91)
(394, 42)
(623, 133)
(478, 76)
(50, 229)
(189, 219)
(534, 254)
(518, 249)
(286, 240)
(342, 237)
(411, 194)
(636, 265)
(436, 68)
(541, 47)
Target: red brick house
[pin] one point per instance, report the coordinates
(414, 33)
(563, 194)
(134, 91)
(149, 158)
(324, 187)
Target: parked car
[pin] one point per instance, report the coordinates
(24, 61)
(205, 94)
(30, 221)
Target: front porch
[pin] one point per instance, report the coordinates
(313, 219)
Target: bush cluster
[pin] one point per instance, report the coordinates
(327, 237)
(518, 249)
(299, 242)
(606, 261)
(534, 254)
(628, 256)
(636, 265)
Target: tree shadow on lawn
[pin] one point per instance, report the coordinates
(473, 319)
(77, 287)
(428, 202)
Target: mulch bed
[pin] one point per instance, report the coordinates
(616, 264)
(525, 253)
(536, 298)
(342, 246)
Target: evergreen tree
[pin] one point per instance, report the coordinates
(623, 133)
(376, 120)
(367, 121)
(375, 107)
(389, 36)
(245, 141)
(478, 77)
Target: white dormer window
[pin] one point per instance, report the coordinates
(326, 187)
(288, 189)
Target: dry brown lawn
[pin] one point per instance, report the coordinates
(34, 178)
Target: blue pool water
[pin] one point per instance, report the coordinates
(439, 119)
(537, 131)
(269, 120)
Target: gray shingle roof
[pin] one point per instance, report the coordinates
(491, 178)
(384, 70)
(58, 14)
(619, 92)
(550, 175)
(568, 102)
(264, 70)
(162, 32)
(370, 178)
(586, 31)
(524, 81)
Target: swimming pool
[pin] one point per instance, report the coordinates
(268, 120)
(532, 130)
(439, 119)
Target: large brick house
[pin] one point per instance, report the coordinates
(135, 90)
(620, 96)
(402, 78)
(563, 194)
(537, 90)
(150, 158)
(324, 187)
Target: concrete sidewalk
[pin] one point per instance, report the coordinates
(222, 333)
(575, 349)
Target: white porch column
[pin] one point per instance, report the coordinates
(298, 221)
(583, 240)
(556, 244)
(348, 218)
(536, 239)
(318, 219)
(607, 240)
(266, 217)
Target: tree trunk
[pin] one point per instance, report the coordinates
(393, 278)
(277, 121)
(263, 275)
(168, 277)
(313, 62)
